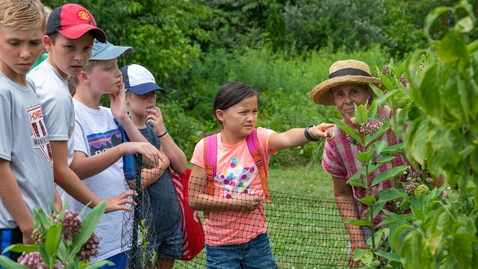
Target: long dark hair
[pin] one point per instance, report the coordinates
(232, 93)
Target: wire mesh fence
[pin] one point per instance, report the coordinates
(304, 232)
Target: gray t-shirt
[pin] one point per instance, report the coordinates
(56, 102)
(24, 142)
(96, 132)
(164, 202)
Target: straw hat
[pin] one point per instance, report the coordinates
(340, 73)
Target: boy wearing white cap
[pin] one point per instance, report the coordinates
(165, 220)
(98, 142)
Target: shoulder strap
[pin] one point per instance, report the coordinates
(256, 153)
(210, 156)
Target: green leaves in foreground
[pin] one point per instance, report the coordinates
(53, 244)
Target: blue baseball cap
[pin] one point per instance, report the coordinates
(107, 51)
(139, 80)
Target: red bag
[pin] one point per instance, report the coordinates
(193, 233)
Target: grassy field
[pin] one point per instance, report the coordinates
(304, 227)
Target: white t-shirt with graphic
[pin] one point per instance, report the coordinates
(96, 132)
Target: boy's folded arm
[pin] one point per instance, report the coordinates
(13, 199)
(178, 160)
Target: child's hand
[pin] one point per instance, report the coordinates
(151, 155)
(249, 202)
(118, 202)
(322, 130)
(155, 118)
(118, 104)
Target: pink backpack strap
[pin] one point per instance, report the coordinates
(210, 156)
(256, 153)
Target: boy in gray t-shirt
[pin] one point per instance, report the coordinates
(26, 173)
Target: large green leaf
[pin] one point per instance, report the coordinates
(430, 99)
(379, 146)
(377, 208)
(344, 127)
(372, 110)
(360, 223)
(432, 16)
(361, 114)
(99, 264)
(464, 25)
(393, 149)
(386, 175)
(386, 82)
(359, 253)
(19, 248)
(355, 182)
(388, 255)
(461, 249)
(474, 263)
(390, 194)
(40, 217)
(8, 263)
(452, 48)
(368, 200)
(415, 140)
(412, 249)
(397, 237)
(365, 157)
(52, 239)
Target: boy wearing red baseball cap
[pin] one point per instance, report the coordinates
(69, 36)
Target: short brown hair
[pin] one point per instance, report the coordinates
(74, 81)
(22, 15)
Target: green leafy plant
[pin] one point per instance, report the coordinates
(442, 135)
(62, 239)
(373, 153)
(147, 256)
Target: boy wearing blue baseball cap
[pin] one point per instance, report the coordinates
(98, 147)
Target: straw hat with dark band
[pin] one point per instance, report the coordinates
(340, 73)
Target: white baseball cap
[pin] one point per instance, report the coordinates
(139, 80)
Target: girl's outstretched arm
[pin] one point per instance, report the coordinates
(297, 137)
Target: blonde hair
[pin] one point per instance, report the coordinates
(22, 15)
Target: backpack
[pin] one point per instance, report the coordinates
(210, 155)
(129, 160)
(193, 233)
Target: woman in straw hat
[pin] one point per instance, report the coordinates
(347, 86)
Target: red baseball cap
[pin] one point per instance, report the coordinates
(73, 21)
